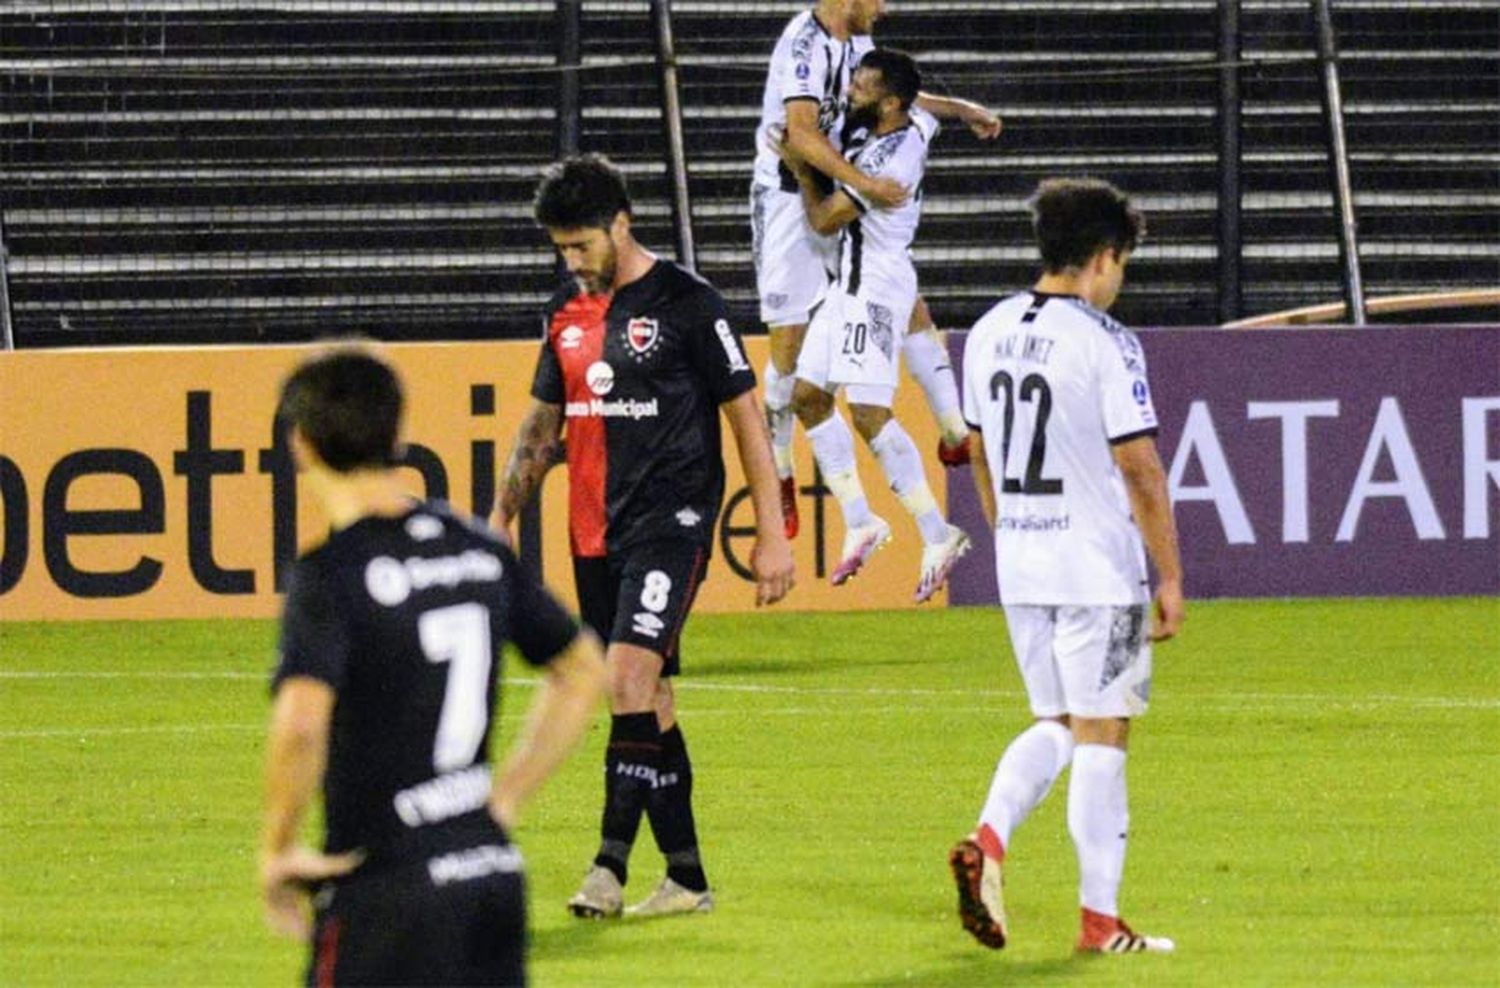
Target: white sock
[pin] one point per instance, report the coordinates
(833, 447)
(780, 418)
(1024, 776)
(1098, 819)
(927, 359)
(903, 468)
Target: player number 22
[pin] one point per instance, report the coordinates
(459, 636)
(1033, 389)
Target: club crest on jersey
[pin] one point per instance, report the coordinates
(642, 334)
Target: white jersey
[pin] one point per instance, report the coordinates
(875, 247)
(1052, 383)
(808, 63)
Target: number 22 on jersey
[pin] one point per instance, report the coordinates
(1033, 390)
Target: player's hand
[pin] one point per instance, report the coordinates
(775, 573)
(287, 877)
(885, 192)
(1170, 611)
(985, 125)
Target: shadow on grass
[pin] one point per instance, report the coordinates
(982, 969)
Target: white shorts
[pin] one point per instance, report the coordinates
(792, 263)
(855, 343)
(1084, 661)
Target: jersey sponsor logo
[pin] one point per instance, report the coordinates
(424, 528)
(474, 862)
(875, 155)
(642, 334)
(444, 797)
(620, 408)
(1034, 523)
(389, 582)
(570, 338)
(648, 624)
(732, 351)
(600, 378)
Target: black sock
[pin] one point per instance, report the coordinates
(631, 764)
(671, 812)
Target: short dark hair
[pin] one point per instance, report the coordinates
(1076, 218)
(898, 73)
(348, 403)
(585, 190)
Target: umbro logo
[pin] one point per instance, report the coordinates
(570, 338)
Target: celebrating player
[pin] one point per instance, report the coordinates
(639, 359)
(805, 99)
(855, 337)
(1056, 392)
(384, 694)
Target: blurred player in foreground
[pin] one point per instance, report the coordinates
(1056, 393)
(385, 696)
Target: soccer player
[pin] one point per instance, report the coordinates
(385, 695)
(805, 98)
(1056, 393)
(855, 337)
(639, 360)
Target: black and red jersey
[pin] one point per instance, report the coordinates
(640, 375)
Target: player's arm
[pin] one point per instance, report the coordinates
(771, 559)
(560, 714)
(804, 142)
(1146, 484)
(984, 484)
(535, 450)
(983, 122)
(825, 214)
(296, 753)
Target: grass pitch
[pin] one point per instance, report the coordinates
(1315, 800)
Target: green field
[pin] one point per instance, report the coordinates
(1315, 800)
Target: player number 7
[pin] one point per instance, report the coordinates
(460, 636)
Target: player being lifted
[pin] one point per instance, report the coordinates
(854, 341)
(805, 92)
(1070, 480)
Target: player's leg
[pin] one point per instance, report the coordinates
(832, 441)
(1105, 661)
(678, 569)
(790, 277)
(1024, 775)
(942, 544)
(927, 359)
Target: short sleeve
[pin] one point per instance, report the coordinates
(804, 75)
(714, 346)
(315, 633)
(547, 382)
(1124, 394)
(540, 627)
(971, 370)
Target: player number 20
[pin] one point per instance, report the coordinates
(1034, 389)
(854, 337)
(459, 636)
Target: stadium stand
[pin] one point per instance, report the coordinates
(193, 170)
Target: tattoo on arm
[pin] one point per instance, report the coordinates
(538, 444)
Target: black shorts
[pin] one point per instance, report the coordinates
(454, 919)
(642, 596)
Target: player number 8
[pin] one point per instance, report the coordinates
(655, 595)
